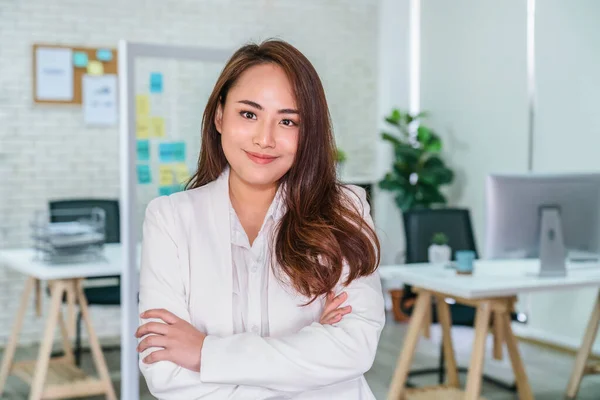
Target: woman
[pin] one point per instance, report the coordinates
(239, 272)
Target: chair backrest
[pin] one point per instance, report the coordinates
(420, 225)
(110, 207)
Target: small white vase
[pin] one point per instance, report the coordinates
(439, 253)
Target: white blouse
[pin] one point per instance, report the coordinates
(250, 272)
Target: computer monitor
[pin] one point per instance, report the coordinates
(515, 205)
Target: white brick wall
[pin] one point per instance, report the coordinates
(47, 152)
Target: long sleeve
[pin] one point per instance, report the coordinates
(161, 286)
(316, 356)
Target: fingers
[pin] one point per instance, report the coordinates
(152, 327)
(335, 302)
(161, 313)
(335, 315)
(152, 341)
(159, 355)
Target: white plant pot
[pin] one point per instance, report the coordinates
(340, 170)
(439, 254)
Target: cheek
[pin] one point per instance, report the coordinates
(289, 143)
(235, 132)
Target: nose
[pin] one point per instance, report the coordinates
(264, 136)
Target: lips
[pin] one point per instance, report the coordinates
(261, 159)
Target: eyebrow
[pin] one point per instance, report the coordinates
(259, 107)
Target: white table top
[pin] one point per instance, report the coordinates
(24, 261)
(492, 278)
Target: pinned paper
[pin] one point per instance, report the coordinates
(156, 82)
(104, 55)
(165, 175)
(142, 105)
(142, 128)
(95, 68)
(80, 59)
(54, 74)
(158, 127)
(143, 150)
(100, 100)
(181, 173)
(169, 190)
(143, 174)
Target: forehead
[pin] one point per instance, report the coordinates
(265, 83)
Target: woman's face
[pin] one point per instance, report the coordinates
(259, 125)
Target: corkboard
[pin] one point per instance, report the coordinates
(110, 67)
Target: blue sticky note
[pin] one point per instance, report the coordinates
(143, 174)
(178, 151)
(156, 82)
(80, 59)
(169, 190)
(165, 152)
(143, 150)
(104, 55)
(171, 152)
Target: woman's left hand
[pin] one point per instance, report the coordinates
(181, 343)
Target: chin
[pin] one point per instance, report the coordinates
(261, 176)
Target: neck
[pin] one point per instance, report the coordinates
(252, 197)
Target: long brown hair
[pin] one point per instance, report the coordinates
(322, 227)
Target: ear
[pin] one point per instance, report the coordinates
(219, 117)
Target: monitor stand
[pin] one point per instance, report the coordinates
(552, 246)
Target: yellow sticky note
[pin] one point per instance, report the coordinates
(143, 127)
(181, 173)
(95, 68)
(142, 105)
(165, 175)
(158, 127)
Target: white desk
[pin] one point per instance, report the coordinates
(492, 288)
(492, 278)
(24, 261)
(58, 377)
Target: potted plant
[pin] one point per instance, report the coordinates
(439, 251)
(418, 171)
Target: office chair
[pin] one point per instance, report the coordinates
(419, 227)
(98, 295)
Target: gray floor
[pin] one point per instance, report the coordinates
(548, 371)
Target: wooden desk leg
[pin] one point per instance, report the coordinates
(498, 335)
(482, 323)
(41, 366)
(415, 325)
(584, 351)
(38, 298)
(64, 332)
(427, 324)
(71, 314)
(11, 346)
(523, 387)
(446, 324)
(97, 355)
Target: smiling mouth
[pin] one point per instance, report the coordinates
(261, 159)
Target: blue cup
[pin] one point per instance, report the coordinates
(464, 261)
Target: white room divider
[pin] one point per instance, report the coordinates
(128, 54)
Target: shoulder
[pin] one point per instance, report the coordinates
(181, 203)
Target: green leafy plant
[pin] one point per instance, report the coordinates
(340, 156)
(439, 238)
(418, 171)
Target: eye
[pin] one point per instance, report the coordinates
(248, 115)
(289, 122)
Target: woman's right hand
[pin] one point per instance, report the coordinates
(333, 313)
